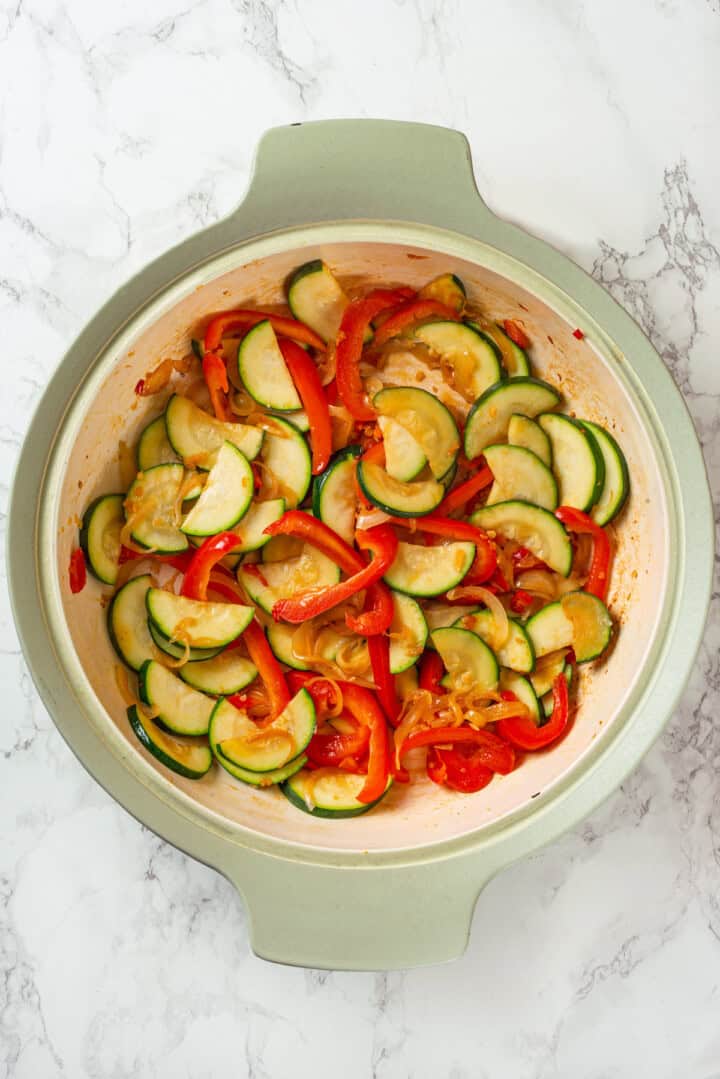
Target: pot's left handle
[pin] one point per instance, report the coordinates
(358, 917)
(331, 170)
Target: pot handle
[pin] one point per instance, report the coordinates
(360, 917)
(330, 170)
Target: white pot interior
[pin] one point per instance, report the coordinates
(420, 813)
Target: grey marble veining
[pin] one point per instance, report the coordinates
(125, 127)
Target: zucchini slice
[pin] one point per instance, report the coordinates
(250, 530)
(616, 485)
(128, 623)
(542, 679)
(153, 447)
(532, 527)
(100, 536)
(519, 474)
(515, 359)
(226, 673)
(425, 418)
(523, 690)
(577, 461)
(151, 509)
(263, 370)
(238, 740)
(399, 499)
(316, 298)
(334, 497)
(297, 419)
(429, 571)
(489, 417)
(188, 759)
(262, 779)
(469, 662)
(178, 707)
(176, 650)
(330, 793)
(525, 432)
(280, 639)
(280, 548)
(196, 436)
(579, 621)
(225, 497)
(274, 581)
(448, 289)
(287, 456)
(202, 623)
(404, 456)
(473, 357)
(408, 633)
(517, 652)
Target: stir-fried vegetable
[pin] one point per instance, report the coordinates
(410, 554)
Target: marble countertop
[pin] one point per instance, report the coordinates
(126, 127)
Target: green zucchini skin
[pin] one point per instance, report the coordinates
(144, 736)
(99, 515)
(357, 810)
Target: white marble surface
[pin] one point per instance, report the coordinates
(123, 128)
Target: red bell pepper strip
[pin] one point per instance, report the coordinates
(485, 561)
(465, 491)
(306, 527)
(228, 321)
(333, 749)
(459, 768)
(381, 541)
(77, 571)
(363, 707)
(493, 751)
(377, 614)
(348, 349)
(412, 311)
(497, 583)
(379, 651)
(270, 671)
(520, 601)
(322, 691)
(216, 379)
(516, 333)
(305, 375)
(432, 670)
(212, 550)
(577, 521)
(523, 732)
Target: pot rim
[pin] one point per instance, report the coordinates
(643, 713)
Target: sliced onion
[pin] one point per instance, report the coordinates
(370, 518)
(157, 379)
(541, 582)
(501, 622)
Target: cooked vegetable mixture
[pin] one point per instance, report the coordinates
(358, 534)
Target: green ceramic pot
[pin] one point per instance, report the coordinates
(395, 202)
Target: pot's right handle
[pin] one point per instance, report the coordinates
(360, 916)
(330, 170)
